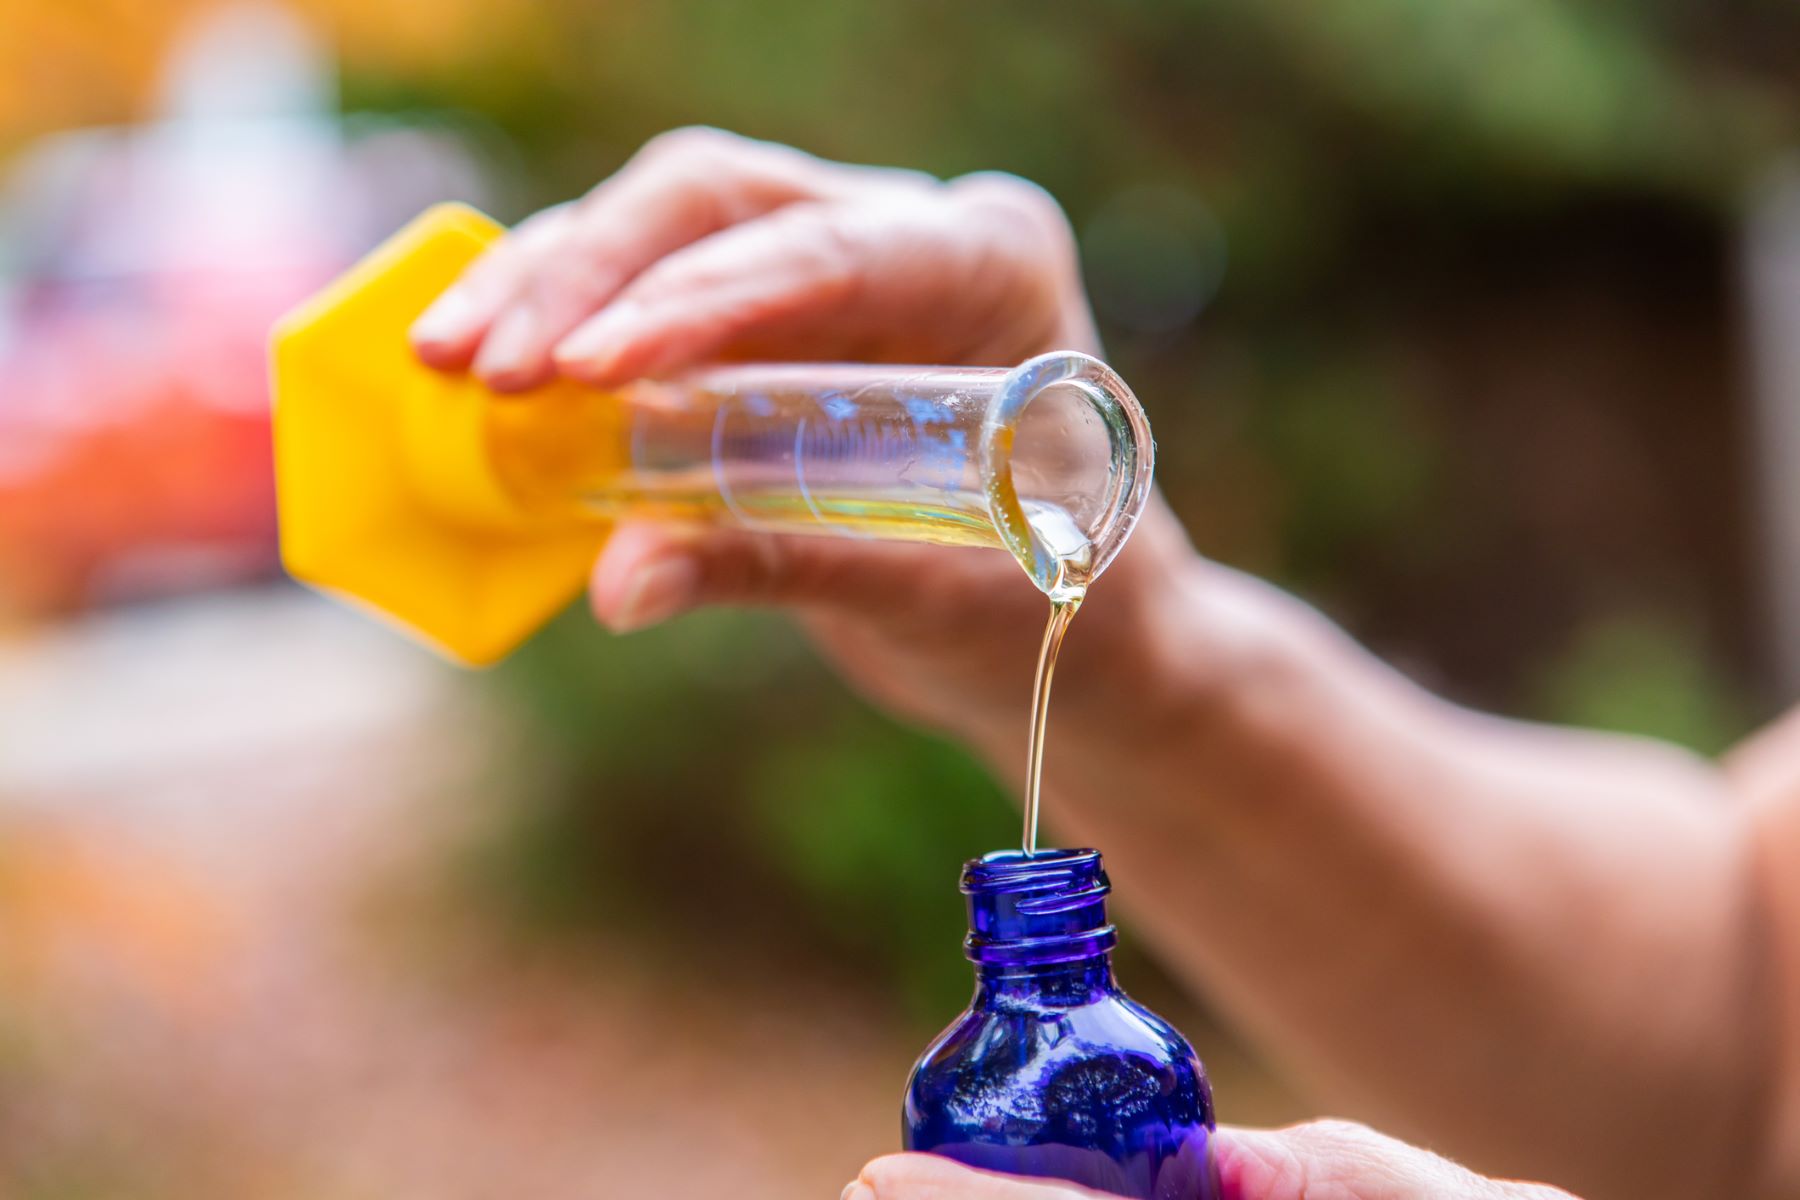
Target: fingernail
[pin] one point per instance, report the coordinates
(447, 319)
(507, 349)
(598, 343)
(856, 1189)
(655, 592)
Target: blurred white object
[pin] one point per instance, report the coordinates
(140, 270)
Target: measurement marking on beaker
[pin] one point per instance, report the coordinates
(800, 471)
(718, 465)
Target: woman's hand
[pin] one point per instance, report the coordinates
(707, 246)
(1323, 1160)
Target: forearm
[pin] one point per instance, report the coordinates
(1534, 948)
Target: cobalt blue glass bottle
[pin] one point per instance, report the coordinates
(1053, 1071)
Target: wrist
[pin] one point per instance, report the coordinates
(1193, 670)
(1185, 642)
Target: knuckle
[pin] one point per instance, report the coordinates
(1016, 195)
(520, 257)
(513, 256)
(1338, 1132)
(542, 229)
(769, 573)
(570, 280)
(831, 239)
(678, 277)
(1025, 231)
(904, 182)
(690, 143)
(495, 272)
(687, 176)
(1347, 1144)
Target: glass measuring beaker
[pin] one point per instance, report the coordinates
(1051, 460)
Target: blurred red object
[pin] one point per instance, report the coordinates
(140, 270)
(134, 452)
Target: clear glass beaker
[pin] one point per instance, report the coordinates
(1051, 460)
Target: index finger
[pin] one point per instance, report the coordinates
(679, 188)
(447, 334)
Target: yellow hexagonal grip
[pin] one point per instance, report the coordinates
(382, 478)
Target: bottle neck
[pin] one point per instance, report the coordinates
(1081, 981)
(1038, 931)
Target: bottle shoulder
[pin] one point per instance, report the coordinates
(1112, 1019)
(1110, 1042)
(1108, 1079)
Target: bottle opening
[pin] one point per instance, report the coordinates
(1066, 462)
(1037, 909)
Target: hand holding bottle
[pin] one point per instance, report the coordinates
(1321, 1160)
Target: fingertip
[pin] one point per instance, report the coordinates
(1256, 1163)
(515, 380)
(651, 593)
(610, 372)
(647, 572)
(513, 356)
(893, 1176)
(917, 1176)
(634, 539)
(442, 354)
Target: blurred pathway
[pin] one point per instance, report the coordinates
(224, 971)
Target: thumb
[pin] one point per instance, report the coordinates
(1346, 1161)
(929, 1177)
(649, 572)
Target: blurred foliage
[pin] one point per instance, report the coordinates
(1330, 241)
